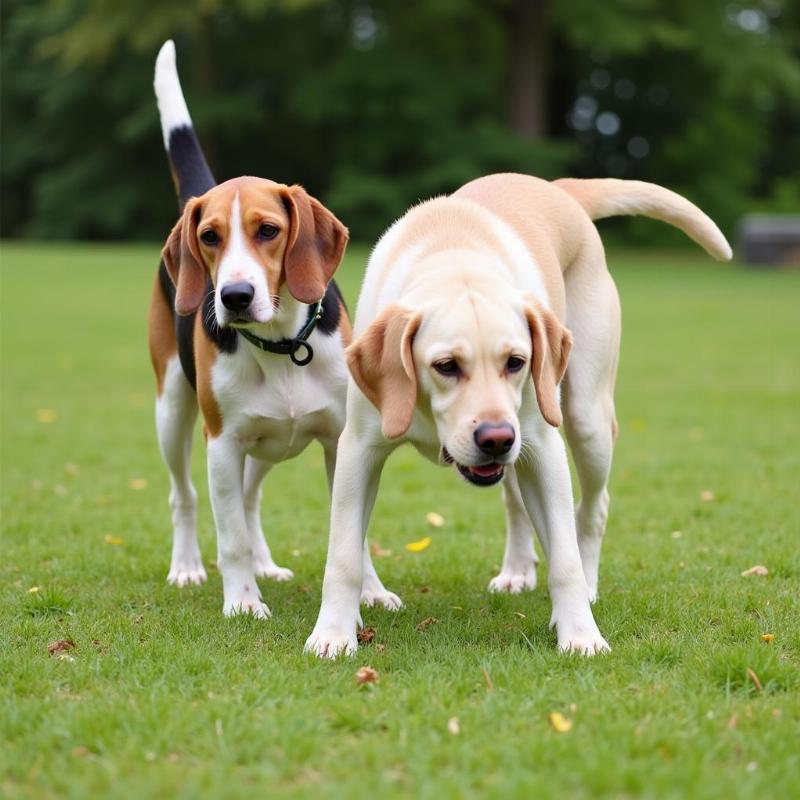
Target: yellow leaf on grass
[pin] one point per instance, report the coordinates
(33, 590)
(767, 637)
(706, 496)
(418, 547)
(137, 483)
(559, 723)
(109, 539)
(46, 415)
(434, 520)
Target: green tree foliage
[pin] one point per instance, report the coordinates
(375, 104)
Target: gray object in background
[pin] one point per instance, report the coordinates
(769, 240)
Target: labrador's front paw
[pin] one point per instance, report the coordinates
(186, 570)
(375, 593)
(514, 582)
(267, 568)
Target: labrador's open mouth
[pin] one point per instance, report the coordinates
(483, 475)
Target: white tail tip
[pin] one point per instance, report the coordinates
(171, 103)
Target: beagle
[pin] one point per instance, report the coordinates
(474, 308)
(246, 323)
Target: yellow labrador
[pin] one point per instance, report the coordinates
(473, 309)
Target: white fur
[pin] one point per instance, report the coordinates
(238, 264)
(171, 103)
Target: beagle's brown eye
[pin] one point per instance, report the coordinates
(447, 367)
(209, 237)
(515, 363)
(267, 231)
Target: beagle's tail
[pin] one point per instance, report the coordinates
(607, 197)
(190, 171)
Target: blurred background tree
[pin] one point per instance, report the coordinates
(375, 104)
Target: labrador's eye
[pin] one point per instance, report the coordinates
(447, 367)
(267, 231)
(515, 363)
(209, 237)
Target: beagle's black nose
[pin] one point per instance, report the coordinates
(237, 296)
(494, 439)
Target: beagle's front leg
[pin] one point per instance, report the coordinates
(355, 484)
(234, 542)
(544, 481)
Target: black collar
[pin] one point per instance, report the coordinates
(289, 347)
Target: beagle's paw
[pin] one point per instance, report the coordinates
(330, 642)
(267, 568)
(376, 594)
(186, 571)
(580, 636)
(514, 582)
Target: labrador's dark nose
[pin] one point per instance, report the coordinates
(237, 296)
(494, 439)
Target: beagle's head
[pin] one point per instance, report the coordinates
(251, 237)
(466, 356)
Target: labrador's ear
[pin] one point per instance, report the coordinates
(551, 343)
(316, 245)
(382, 364)
(183, 261)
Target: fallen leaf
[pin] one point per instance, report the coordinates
(453, 726)
(296, 553)
(426, 623)
(109, 539)
(80, 752)
(754, 679)
(379, 648)
(60, 646)
(424, 589)
(706, 496)
(767, 637)
(46, 415)
(434, 520)
(519, 614)
(33, 590)
(558, 722)
(418, 547)
(758, 569)
(367, 675)
(366, 635)
(676, 534)
(137, 484)
(378, 551)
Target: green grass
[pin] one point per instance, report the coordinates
(163, 697)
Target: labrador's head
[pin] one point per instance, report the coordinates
(249, 237)
(466, 360)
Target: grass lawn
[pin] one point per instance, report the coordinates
(163, 697)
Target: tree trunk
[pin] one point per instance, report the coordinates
(527, 21)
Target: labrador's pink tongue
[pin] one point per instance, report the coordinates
(487, 470)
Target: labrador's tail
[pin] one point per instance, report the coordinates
(608, 197)
(190, 171)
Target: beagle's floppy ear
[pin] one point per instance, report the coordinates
(552, 343)
(315, 247)
(382, 365)
(183, 261)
